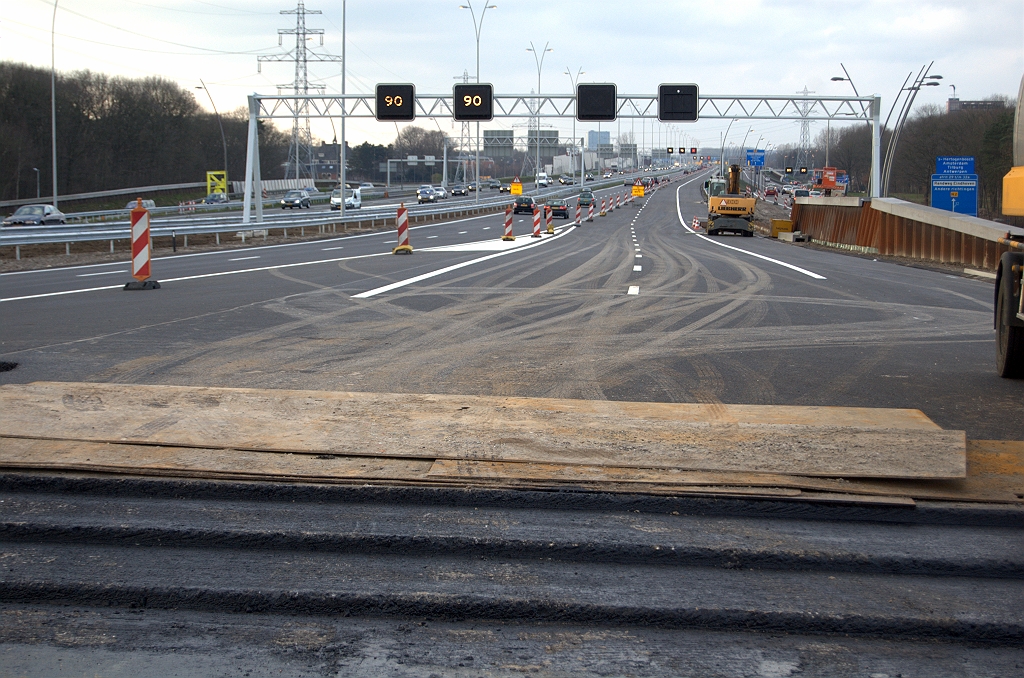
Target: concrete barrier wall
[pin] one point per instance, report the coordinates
(898, 228)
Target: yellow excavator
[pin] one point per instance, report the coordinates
(1009, 303)
(728, 210)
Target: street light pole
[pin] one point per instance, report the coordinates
(575, 80)
(721, 159)
(540, 65)
(53, 100)
(477, 27)
(223, 139)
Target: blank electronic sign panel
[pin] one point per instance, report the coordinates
(677, 103)
(596, 103)
(473, 102)
(396, 102)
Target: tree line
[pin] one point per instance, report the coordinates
(115, 132)
(987, 135)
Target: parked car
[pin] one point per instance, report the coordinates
(524, 203)
(294, 198)
(425, 194)
(505, 188)
(442, 192)
(559, 208)
(148, 204)
(35, 215)
(586, 199)
(216, 199)
(460, 189)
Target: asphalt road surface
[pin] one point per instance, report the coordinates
(631, 306)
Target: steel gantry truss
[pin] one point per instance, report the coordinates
(629, 106)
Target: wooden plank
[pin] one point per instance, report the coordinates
(826, 442)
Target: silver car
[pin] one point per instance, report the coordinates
(442, 192)
(35, 215)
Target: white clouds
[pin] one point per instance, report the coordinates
(748, 46)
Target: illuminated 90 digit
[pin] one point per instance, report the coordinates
(392, 101)
(472, 101)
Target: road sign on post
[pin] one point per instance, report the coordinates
(955, 193)
(141, 250)
(954, 164)
(516, 187)
(755, 157)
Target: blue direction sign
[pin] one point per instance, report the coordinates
(954, 164)
(755, 158)
(956, 193)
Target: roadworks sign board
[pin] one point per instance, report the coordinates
(517, 187)
(638, 189)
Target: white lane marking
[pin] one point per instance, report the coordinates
(638, 268)
(447, 269)
(89, 275)
(487, 228)
(243, 258)
(639, 256)
(328, 249)
(633, 289)
(463, 232)
(679, 213)
(204, 275)
(428, 237)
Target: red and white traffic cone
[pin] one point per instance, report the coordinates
(403, 231)
(696, 224)
(578, 210)
(536, 222)
(141, 250)
(590, 212)
(548, 217)
(603, 212)
(508, 225)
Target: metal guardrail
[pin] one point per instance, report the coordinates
(139, 190)
(121, 230)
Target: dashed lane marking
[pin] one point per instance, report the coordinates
(328, 249)
(89, 275)
(638, 268)
(243, 258)
(633, 289)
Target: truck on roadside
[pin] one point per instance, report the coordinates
(728, 210)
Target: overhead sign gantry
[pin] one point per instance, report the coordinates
(591, 102)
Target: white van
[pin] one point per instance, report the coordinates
(543, 180)
(353, 199)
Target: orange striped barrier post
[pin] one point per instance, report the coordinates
(536, 222)
(141, 249)
(548, 217)
(508, 224)
(590, 211)
(402, 219)
(603, 212)
(578, 210)
(618, 199)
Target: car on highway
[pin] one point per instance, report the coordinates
(471, 186)
(559, 208)
(565, 179)
(353, 202)
(35, 215)
(442, 192)
(217, 198)
(801, 193)
(606, 175)
(295, 198)
(148, 204)
(589, 177)
(366, 186)
(460, 189)
(770, 191)
(524, 203)
(543, 180)
(505, 188)
(311, 189)
(426, 194)
(492, 183)
(585, 199)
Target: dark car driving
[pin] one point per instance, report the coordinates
(35, 215)
(524, 203)
(559, 208)
(586, 199)
(295, 198)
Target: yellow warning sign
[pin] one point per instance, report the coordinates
(517, 187)
(638, 189)
(217, 182)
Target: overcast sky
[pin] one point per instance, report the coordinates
(736, 47)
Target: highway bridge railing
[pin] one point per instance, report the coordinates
(893, 227)
(323, 222)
